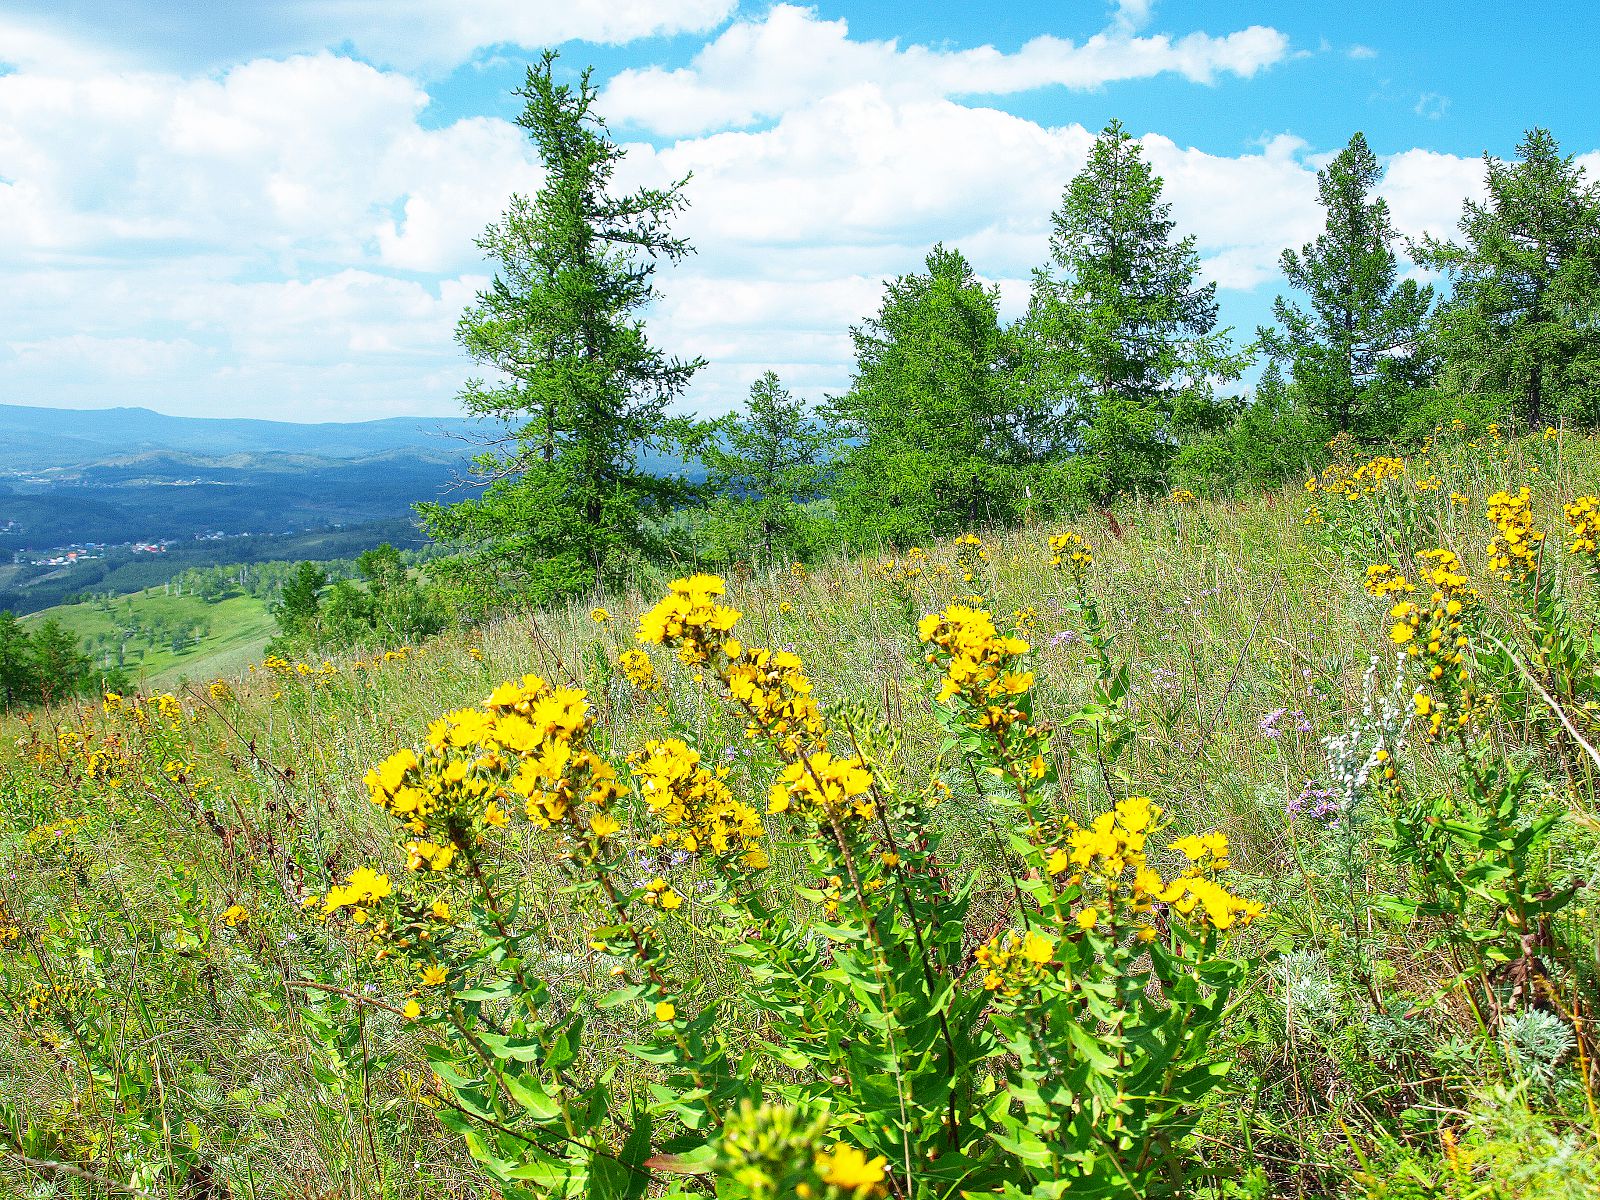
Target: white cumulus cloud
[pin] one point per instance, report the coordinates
(292, 236)
(757, 69)
(428, 36)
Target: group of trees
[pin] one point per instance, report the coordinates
(44, 665)
(1116, 380)
(386, 604)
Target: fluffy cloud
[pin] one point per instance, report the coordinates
(1425, 190)
(414, 35)
(424, 33)
(293, 236)
(306, 158)
(756, 70)
(231, 239)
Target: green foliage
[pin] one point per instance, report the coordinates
(764, 465)
(44, 664)
(577, 382)
(1119, 349)
(1273, 438)
(1525, 278)
(386, 606)
(300, 603)
(925, 424)
(1360, 349)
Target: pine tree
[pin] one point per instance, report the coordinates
(767, 462)
(1120, 339)
(1360, 345)
(61, 668)
(1523, 317)
(17, 679)
(298, 611)
(925, 420)
(577, 381)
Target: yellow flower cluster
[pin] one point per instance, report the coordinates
(982, 667)
(1181, 496)
(970, 553)
(10, 931)
(1070, 548)
(1108, 862)
(1442, 570)
(694, 806)
(527, 745)
(1338, 479)
(165, 707)
(1197, 892)
(639, 670)
(822, 787)
(850, 1170)
(772, 688)
(902, 571)
(1583, 517)
(658, 893)
(1111, 844)
(104, 758)
(690, 619)
(359, 893)
(1439, 635)
(1012, 962)
(1517, 546)
(1383, 579)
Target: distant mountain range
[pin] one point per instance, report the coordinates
(38, 438)
(124, 475)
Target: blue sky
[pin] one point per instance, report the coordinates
(268, 209)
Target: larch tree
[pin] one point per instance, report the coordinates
(1523, 317)
(16, 662)
(576, 383)
(766, 462)
(1120, 339)
(1360, 343)
(924, 424)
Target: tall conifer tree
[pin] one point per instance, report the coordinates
(766, 462)
(1523, 317)
(1360, 344)
(578, 383)
(1121, 336)
(924, 422)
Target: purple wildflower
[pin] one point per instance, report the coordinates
(1315, 803)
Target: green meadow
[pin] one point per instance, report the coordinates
(158, 637)
(183, 874)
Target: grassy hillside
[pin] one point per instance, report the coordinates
(1409, 1015)
(154, 635)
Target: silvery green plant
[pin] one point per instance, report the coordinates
(1535, 1043)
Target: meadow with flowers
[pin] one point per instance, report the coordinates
(1193, 849)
